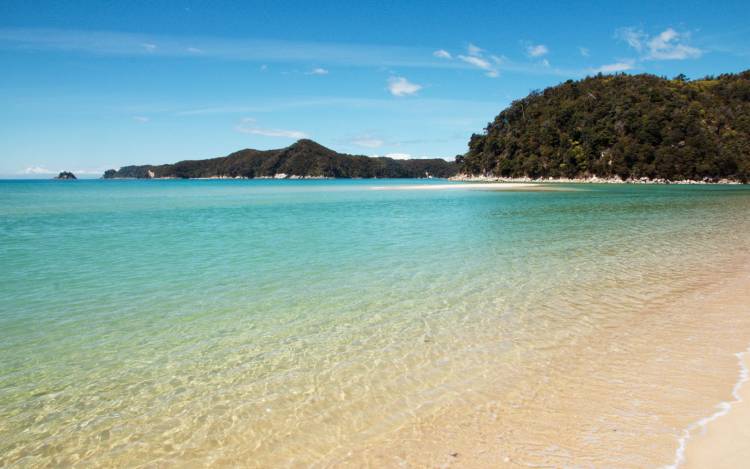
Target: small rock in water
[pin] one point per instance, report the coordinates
(66, 175)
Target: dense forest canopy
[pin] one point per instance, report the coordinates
(304, 158)
(631, 126)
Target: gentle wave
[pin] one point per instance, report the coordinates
(723, 409)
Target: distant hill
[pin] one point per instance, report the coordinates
(305, 158)
(638, 126)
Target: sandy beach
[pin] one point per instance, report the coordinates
(487, 186)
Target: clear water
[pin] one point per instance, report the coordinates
(287, 322)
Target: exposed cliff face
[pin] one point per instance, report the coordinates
(305, 158)
(628, 127)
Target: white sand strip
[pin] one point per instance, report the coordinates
(498, 186)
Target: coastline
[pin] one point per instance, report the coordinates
(587, 180)
(721, 440)
(469, 179)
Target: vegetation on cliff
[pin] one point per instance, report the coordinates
(627, 126)
(66, 175)
(304, 158)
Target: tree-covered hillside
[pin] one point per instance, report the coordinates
(627, 126)
(304, 158)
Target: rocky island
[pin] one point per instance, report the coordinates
(66, 175)
(303, 159)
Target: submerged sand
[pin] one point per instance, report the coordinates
(627, 396)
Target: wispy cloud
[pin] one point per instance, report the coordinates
(317, 71)
(265, 52)
(476, 61)
(584, 51)
(475, 57)
(43, 171)
(248, 126)
(442, 54)
(326, 103)
(474, 49)
(400, 86)
(621, 66)
(667, 45)
(398, 156)
(149, 45)
(141, 119)
(634, 37)
(37, 170)
(536, 50)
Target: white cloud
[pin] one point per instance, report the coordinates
(41, 171)
(544, 63)
(476, 61)
(400, 86)
(584, 51)
(398, 156)
(37, 170)
(537, 50)
(248, 127)
(474, 50)
(194, 50)
(317, 71)
(368, 142)
(442, 54)
(476, 58)
(141, 119)
(98, 171)
(667, 45)
(149, 47)
(621, 66)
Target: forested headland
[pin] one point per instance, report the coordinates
(621, 126)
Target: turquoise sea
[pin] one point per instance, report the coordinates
(290, 323)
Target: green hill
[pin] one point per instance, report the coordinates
(638, 126)
(305, 158)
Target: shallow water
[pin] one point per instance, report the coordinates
(297, 322)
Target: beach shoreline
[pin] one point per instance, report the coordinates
(721, 439)
(588, 180)
(579, 430)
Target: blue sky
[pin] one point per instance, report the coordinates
(87, 86)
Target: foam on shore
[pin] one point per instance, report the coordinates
(723, 409)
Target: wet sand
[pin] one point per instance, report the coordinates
(724, 442)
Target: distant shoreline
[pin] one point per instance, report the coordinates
(591, 180)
